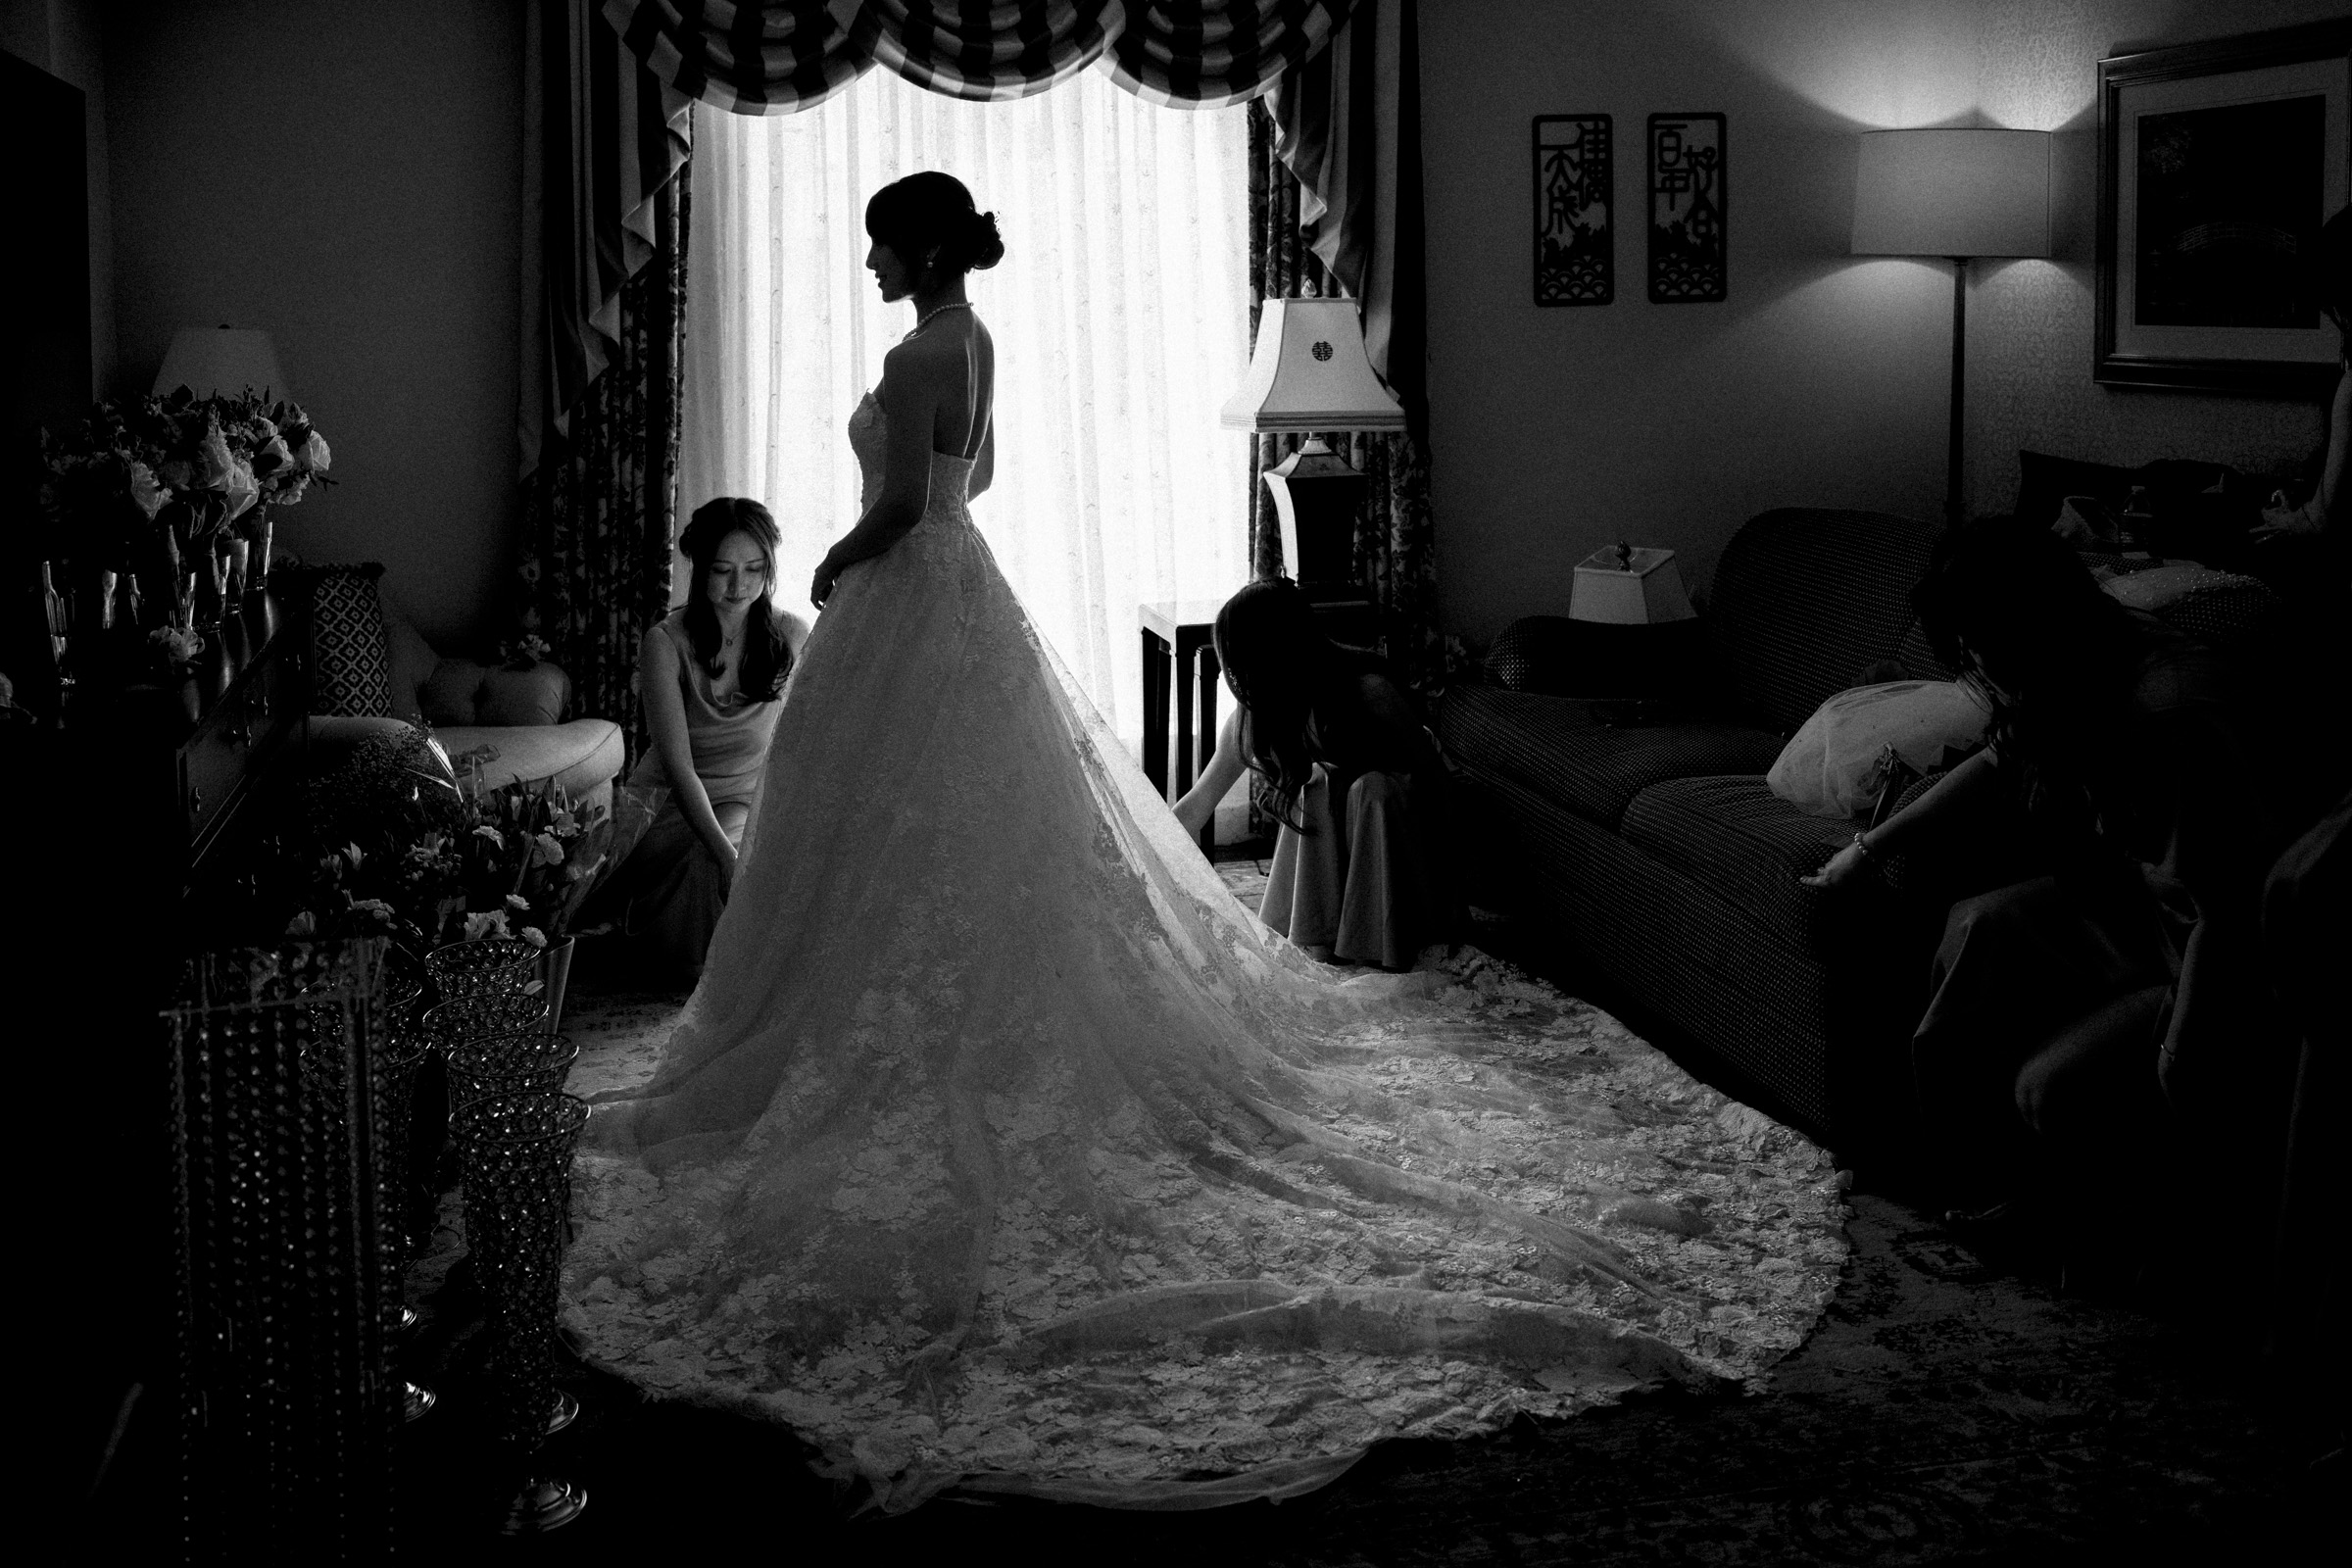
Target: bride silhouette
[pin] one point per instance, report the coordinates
(1000, 1146)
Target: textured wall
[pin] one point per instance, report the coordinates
(347, 177)
(2031, 322)
(1822, 379)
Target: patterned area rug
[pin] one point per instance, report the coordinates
(1944, 1412)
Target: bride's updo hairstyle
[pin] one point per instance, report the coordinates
(930, 212)
(766, 656)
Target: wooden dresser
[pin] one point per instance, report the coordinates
(129, 835)
(180, 765)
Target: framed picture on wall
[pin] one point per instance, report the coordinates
(2218, 164)
(1575, 237)
(1689, 246)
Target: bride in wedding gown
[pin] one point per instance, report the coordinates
(1001, 1147)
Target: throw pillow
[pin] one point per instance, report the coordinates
(1841, 761)
(413, 662)
(351, 652)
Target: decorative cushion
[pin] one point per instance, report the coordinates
(2220, 609)
(462, 692)
(1841, 761)
(1558, 746)
(351, 652)
(413, 662)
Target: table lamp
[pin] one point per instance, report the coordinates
(207, 359)
(1625, 586)
(1309, 374)
(1961, 193)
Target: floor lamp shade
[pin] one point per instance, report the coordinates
(1963, 192)
(207, 359)
(1958, 192)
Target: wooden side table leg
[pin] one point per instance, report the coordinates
(1184, 724)
(1159, 668)
(1209, 671)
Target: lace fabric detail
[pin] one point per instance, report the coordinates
(1001, 1145)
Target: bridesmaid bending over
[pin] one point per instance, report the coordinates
(1353, 777)
(710, 676)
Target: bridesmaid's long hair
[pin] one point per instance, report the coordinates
(1280, 666)
(766, 656)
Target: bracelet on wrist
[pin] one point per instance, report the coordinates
(1862, 843)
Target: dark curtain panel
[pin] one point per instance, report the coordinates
(1334, 208)
(602, 137)
(605, 151)
(600, 509)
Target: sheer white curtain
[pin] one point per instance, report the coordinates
(1120, 314)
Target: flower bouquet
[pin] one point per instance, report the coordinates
(172, 492)
(392, 845)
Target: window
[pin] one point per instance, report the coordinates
(1120, 314)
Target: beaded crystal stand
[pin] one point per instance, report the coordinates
(484, 966)
(405, 1051)
(498, 1064)
(287, 1401)
(517, 1149)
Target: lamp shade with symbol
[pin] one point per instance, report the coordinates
(1309, 374)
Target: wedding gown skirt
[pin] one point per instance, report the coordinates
(1000, 1145)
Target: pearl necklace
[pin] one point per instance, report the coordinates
(925, 319)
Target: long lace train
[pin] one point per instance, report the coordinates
(1000, 1146)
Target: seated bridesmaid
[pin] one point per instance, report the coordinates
(710, 676)
(1353, 776)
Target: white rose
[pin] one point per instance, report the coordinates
(314, 458)
(213, 461)
(243, 489)
(146, 490)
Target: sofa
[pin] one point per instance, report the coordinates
(1641, 845)
(373, 672)
(1649, 848)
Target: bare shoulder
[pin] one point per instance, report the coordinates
(661, 642)
(923, 357)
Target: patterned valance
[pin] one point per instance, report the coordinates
(776, 57)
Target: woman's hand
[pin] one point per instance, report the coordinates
(2281, 521)
(820, 586)
(1842, 868)
(729, 858)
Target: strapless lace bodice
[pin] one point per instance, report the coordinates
(950, 475)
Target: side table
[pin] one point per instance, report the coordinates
(1179, 656)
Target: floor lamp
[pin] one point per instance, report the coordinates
(1961, 193)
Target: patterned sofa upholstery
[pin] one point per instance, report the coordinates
(1657, 857)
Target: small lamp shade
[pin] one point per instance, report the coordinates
(1953, 192)
(1310, 372)
(207, 359)
(1629, 588)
